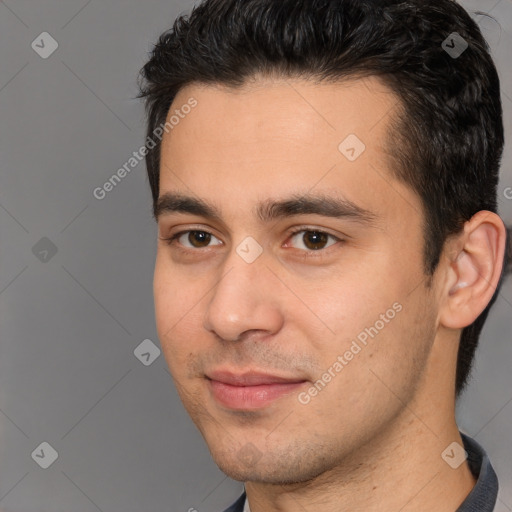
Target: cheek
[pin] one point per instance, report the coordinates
(175, 292)
(340, 309)
(369, 323)
(177, 303)
(381, 364)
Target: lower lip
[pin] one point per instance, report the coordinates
(251, 397)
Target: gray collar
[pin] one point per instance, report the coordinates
(483, 496)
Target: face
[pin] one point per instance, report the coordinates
(290, 298)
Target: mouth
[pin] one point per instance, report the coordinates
(251, 390)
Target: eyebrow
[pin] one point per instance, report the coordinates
(269, 210)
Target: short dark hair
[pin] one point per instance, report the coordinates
(446, 139)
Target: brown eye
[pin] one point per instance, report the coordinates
(315, 240)
(312, 240)
(193, 239)
(199, 238)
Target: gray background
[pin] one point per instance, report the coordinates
(70, 321)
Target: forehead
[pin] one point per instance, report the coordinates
(292, 109)
(271, 117)
(281, 137)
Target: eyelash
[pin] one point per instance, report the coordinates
(306, 253)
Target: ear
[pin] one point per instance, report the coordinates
(473, 265)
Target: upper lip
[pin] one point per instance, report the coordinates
(251, 378)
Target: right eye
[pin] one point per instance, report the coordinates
(192, 239)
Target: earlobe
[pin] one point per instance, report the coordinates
(473, 276)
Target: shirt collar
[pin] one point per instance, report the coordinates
(483, 496)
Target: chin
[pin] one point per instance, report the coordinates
(248, 465)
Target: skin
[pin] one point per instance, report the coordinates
(372, 439)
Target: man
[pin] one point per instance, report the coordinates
(324, 178)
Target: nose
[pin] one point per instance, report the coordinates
(245, 299)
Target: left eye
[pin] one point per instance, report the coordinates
(313, 240)
(195, 239)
